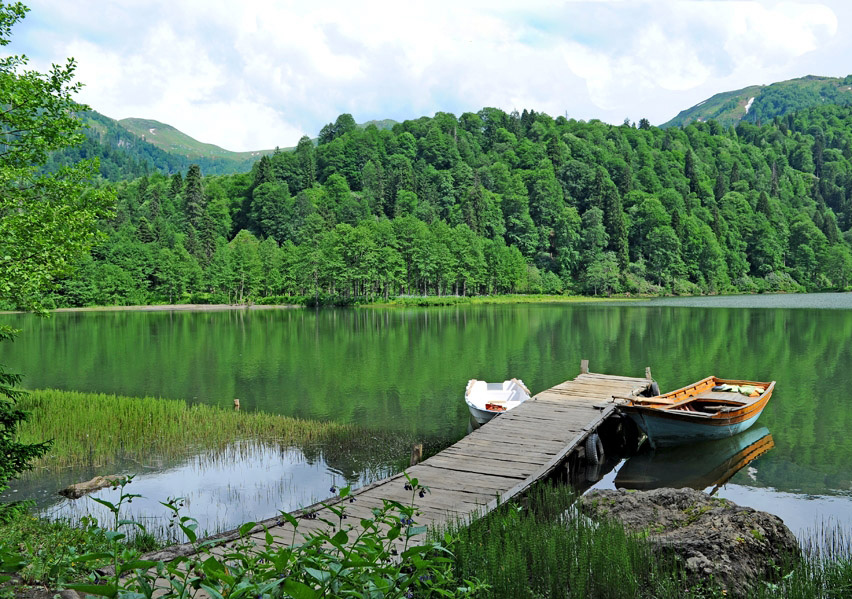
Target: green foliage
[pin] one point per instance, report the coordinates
(491, 203)
(46, 222)
(376, 557)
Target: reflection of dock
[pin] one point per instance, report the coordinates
(491, 465)
(699, 466)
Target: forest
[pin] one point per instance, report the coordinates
(490, 203)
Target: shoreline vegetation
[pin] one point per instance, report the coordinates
(400, 301)
(95, 428)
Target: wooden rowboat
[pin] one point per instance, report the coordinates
(712, 408)
(487, 400)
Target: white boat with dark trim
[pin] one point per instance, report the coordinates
(487, 400)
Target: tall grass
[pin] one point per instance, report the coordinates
(541, 551)
(541, 548)
(94, 429)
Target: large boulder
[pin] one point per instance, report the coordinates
(715, 540)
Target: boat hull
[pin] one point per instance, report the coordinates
(480, 416)
(665, 431)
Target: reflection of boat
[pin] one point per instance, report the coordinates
(712, 408)
(486, 400)
(699, 466)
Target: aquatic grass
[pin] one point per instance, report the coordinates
(541, 547)
(95, 429)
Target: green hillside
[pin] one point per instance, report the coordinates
(173, 141)
(761, 103)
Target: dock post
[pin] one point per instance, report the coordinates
(584, 367)
(236, 405)
(648, 373)
(416, 454)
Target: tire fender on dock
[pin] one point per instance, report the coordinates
(594, 449)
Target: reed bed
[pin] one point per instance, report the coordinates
(95, 429)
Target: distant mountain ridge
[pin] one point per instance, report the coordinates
(133, 147)
(761, 103)
(172, 140)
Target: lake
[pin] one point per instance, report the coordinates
(404, 371)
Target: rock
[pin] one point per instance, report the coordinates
(711, 537)
(99, 482)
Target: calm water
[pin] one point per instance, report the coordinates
(404, 370)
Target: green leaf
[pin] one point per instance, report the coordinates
(93, 556)
(211, 591)
(319, 575)
(415, 530)
(290, 519)
(340, 538)
(106, 590)
(416, 550)
(139, 564)
(299, 590)
(246, 528)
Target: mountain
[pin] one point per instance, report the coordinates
(173, 141)
(762, 103)
(133, 147)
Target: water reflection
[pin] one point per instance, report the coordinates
(701, 466)
(222, 488)
(402, 371)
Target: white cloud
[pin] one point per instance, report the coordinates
(259, 74)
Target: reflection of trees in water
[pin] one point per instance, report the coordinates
(403, 370)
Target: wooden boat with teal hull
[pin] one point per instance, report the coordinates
(712, 408)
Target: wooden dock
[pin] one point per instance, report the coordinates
(486, 468)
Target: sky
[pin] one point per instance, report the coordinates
(250, 75)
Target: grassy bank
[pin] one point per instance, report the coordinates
(540, 548)
(95, 429)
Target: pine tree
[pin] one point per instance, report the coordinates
(194, 202)
(763, 204)
(176, 186)
(690, 171)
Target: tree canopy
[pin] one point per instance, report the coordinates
(48, 223)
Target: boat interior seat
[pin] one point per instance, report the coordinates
(500, 396)
(723, 396)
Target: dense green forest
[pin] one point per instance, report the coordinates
(491, 202)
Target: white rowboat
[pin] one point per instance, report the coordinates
(487, 400)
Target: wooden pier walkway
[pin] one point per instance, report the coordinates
(486, 468)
